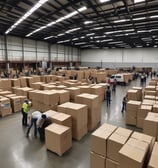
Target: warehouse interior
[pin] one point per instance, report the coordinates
(53, 52)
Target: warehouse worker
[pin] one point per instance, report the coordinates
(108, 96)
(124, 102)
(43, 123)
(24, 110)
(35, 117)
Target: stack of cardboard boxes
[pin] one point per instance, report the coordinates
(15, 82)
(79, 118)
(140, 92)
(141, 115)
(151, 125)
(99, 145)
(113, 147)
(5, 106)
(16, 103)
(94, 108)
(74, 91)
(5, 84)
(131, 112)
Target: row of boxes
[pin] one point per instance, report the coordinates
(113, 147)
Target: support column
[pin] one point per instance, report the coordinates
(6, 53)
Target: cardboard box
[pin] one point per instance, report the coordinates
(94, 108)
(15, 82)
(23, 82)
(152, 93)
(5, 108)
(58, 138)
(149, 97)
(59, 118)
(79, 118)
(150, 88)
(155, 108)
(36, 85)
(143, 111)
(74, 91)
(100, 137)
(3, 93)
(150, 140)
(64, 96)
(153, 163)
(116, 141)
(151, 124)
(148, 102)
(98, 90)
(84, 89)
(10, 95)
(97, 161)
(133, 94)
(49, 97)
(16, 104)
(133, 154)
(111, 163)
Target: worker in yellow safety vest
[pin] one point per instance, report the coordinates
(24, 110)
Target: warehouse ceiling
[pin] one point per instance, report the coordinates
(83, 23)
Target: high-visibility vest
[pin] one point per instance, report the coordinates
(25, 107)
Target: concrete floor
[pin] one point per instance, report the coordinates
(17, 151)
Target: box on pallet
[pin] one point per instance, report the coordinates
(58, 138)
(74, 91)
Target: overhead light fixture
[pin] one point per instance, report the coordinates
(97, 28)
(72, 30)
(63, 41)
(141, 18)
(88, 22)
(90, 34)
(123, 20)
(80, 43)
(137, 1)
(26, 15)
(74, 39)
(102, 1)
(60, 19)
(154, 16)
(46, 38)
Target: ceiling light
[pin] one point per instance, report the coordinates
(27, 14)
(141, 18)
(97, 28)
(123, 20)
(88, 22)
(72, 30)
(75, 39)
(46, 38)
(137, 1)
(102, 1)
(60, 34)
(80, 43)
(60, 19)
(90, 34)
(154, 16)
(106, 40)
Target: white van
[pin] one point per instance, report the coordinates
(120, 78)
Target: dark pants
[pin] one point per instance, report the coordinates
(33, 122)
(42, 134)
(108, 100)
(123, 107)
(24, 118)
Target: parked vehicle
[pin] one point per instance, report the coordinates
(123, 78)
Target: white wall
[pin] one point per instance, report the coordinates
(36, 50)
(112, 58)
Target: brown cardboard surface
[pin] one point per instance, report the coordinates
(58, 138)
(97, 161)
(111, 163)
(153, 163)
(133, 154)
(116, 141)
(100, 137)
